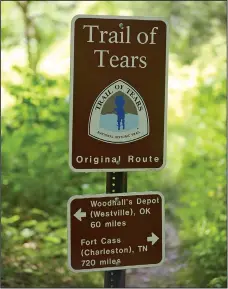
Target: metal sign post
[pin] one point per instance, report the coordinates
(115, 183)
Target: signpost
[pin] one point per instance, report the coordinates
(115, 183)
(118, 93)
(116, 231)
(118, 111)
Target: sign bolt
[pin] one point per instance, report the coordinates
(121, 25)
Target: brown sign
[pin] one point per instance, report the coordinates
(118, 93)
(116, 231)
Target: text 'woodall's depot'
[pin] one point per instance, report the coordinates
(116, 231)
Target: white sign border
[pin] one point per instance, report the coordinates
(114, 195)
(71, 91)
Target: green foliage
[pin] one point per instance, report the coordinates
(34, 247)
(193, 23)
(220, 282)
(36, 179)
(35, 24)
(202, 183)
(37, 183)
(11, 35)
(32, 131)
(35, 145)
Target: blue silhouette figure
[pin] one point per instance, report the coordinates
(119, 101)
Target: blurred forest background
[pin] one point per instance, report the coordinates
(36, 179)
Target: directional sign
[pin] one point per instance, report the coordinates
(118, 93)
(116, 231)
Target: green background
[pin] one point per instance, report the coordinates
(36, 179)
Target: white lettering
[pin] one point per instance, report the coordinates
(91, 31)
(114, 58)
(133, 60)
(88, 242)
(124, 61)
(152, 33)
(110, 241)
(79, 159)
(142, 60)
(101, 56)
(102, 34)
(113, 38)
(145, 37)
(130, 159)
(147, 201)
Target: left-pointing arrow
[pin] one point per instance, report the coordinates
(79, 214)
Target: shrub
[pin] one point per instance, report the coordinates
(202, 185)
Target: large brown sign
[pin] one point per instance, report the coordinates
(116, 231)
(118, 93)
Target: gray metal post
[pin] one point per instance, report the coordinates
(115, 183)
